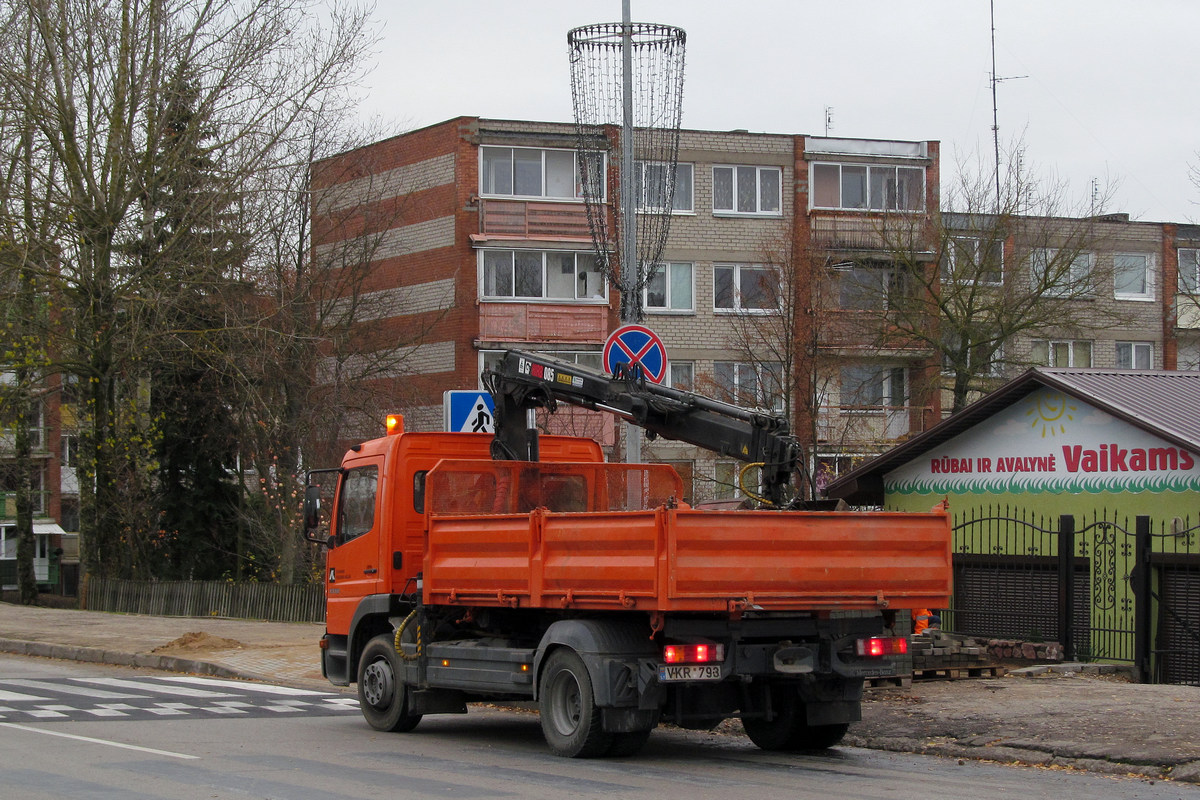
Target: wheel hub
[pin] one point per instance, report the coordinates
(378, 683)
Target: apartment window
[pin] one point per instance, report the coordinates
(70, 450)
(747, 190)
(542, 275)
(1055, 275)
(1061, 354)
(529, 172)
(973, 260)
(681, 375)
(652, 182)
(1189, 270)
(875, 187)
(1188, 357)
(9, 479)
(750, 385)
(1135, 355)
(1132, 276)
(726, 476)
(745, 287)
(867, 286)
(670, 288)
(990, 365)
(871, 387)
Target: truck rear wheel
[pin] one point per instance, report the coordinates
(787, 730)
(570, 720)
(381, 694)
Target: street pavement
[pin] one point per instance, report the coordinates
(1071, 718)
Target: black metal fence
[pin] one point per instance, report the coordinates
(1107, 588)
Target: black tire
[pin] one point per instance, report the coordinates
(381, 696)
(627, 744)
(787, 730)
(571, 723)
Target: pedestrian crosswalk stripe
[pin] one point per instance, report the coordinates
(159, 688)
(243, 686)
(17, 696)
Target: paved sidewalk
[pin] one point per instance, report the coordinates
(1060, 718)
(271, 651)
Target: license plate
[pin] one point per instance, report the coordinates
(668, 673)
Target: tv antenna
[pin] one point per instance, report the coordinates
(995, 114)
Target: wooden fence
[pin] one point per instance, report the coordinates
(268, 601)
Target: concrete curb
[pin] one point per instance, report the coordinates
(118, 658)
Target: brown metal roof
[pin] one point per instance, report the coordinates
(1166, 404)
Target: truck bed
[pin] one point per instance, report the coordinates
(673, 559)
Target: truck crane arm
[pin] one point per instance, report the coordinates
(523, 382)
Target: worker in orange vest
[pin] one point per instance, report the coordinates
(921, 619)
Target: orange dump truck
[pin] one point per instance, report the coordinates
(592, 589)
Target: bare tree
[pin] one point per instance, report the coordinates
(970, 279)
(258, 67)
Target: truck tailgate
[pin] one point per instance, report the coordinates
(689, 560)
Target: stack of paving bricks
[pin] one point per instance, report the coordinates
(937, 654)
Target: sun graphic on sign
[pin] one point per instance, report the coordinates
(1051, 412)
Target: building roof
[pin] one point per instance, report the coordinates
(1165, 404)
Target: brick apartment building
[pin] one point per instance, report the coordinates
(479, 238)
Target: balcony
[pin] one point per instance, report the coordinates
(542, 322)
(862, 427)
(532, 219)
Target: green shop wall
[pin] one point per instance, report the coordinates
(1050, 454)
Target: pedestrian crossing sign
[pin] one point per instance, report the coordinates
(468, 411)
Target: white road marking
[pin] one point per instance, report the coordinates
(266, 688)
(91, 740)
(66, 688)
(155, 687)
(16, 697)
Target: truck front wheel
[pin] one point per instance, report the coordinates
(381, 693)
(570, 720)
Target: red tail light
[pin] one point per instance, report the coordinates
(877, 647)
(693, 653)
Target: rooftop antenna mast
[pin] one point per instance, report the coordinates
(995, 114)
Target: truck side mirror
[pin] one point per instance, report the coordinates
(312, 513)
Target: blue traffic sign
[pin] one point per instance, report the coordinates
(469, 411)
(638, 346)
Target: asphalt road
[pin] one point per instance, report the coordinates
(238, 740)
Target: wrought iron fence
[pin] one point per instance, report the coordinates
(1107, 587)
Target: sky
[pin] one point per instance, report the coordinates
(1100, 93)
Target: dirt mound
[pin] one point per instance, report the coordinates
(198, 642)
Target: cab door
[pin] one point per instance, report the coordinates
(352, 566)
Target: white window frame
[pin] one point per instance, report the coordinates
(1189, 272)
(582, 296)
(871, 202)
(1072, 347)
(888, 397)
(736, 289)
(1131, 355)
(681, 202)
(681, 375)
(1147, 277)
(768, 383)
(545, 193)
(671, 304)
(1039, 261)
(976, 245)
(737, 174)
